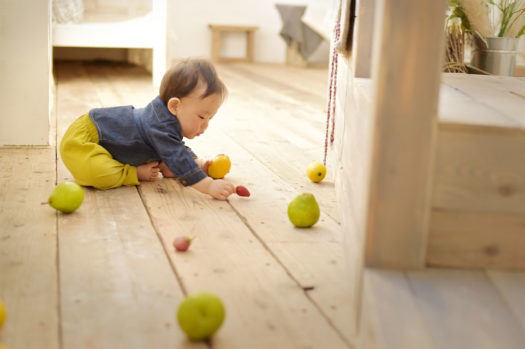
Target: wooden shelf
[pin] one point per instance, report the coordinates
(113, 30)
(103, 32)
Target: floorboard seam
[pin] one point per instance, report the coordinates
(173, 268)
(159, 236)
(305, 289)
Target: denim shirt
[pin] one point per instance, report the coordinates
(136, 136)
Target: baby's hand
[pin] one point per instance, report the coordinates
(220, 189)
(166, 173)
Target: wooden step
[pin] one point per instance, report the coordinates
(478, 191)
(478, 198)
(477, 220)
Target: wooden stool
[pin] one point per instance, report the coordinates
(217, 31)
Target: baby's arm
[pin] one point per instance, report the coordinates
(166, 173)
(203, 164)
(218, 188)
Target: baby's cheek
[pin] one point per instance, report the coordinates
(190, 130)
(195, 127)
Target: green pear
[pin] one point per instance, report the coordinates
(66, 197)
(200, 315)
(303, 211)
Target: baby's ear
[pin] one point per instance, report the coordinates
(173, 105)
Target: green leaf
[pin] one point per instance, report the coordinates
(521, 32)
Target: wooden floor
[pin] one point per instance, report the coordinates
(107, 276)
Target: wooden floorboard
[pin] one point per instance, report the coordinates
(390, 315)
(298, 85)
(109, 250)
(265, 306)
(248, 169)
(28, 249)
(118, 280)
(446, 298)
(307, 254)
(511, 286)
(284, 139)
(117, 286)
(108, 277)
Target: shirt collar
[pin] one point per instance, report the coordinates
(163, 115)
(160, 109)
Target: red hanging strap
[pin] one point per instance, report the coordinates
(332, 89)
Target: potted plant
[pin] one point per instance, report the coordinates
(494, 26)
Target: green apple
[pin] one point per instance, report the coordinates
(200, 315)
(66, 197)
(303, 211)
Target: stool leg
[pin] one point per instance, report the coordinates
(215, 45)
(250, 39)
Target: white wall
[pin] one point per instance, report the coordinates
(24, 72)
(189, 35)
(188, 32)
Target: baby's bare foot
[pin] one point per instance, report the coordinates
(148, 172)
(166, 173)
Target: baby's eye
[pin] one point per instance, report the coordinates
(202, 117)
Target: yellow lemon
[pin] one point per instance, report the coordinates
(2, 314)
(316, 171)
(220, 166)
(3, 346)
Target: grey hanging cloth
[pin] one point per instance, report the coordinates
(295, 30)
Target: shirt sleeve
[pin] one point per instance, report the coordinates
(193, 155)
(177, 156)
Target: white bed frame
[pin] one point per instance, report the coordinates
(147, 31)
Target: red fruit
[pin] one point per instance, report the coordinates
(182, 243)
(242, 191)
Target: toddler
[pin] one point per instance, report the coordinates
(110, 147)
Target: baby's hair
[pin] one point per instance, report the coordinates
(184, 77)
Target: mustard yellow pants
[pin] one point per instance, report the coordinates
(90, 163)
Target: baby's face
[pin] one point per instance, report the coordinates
(194, 112)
